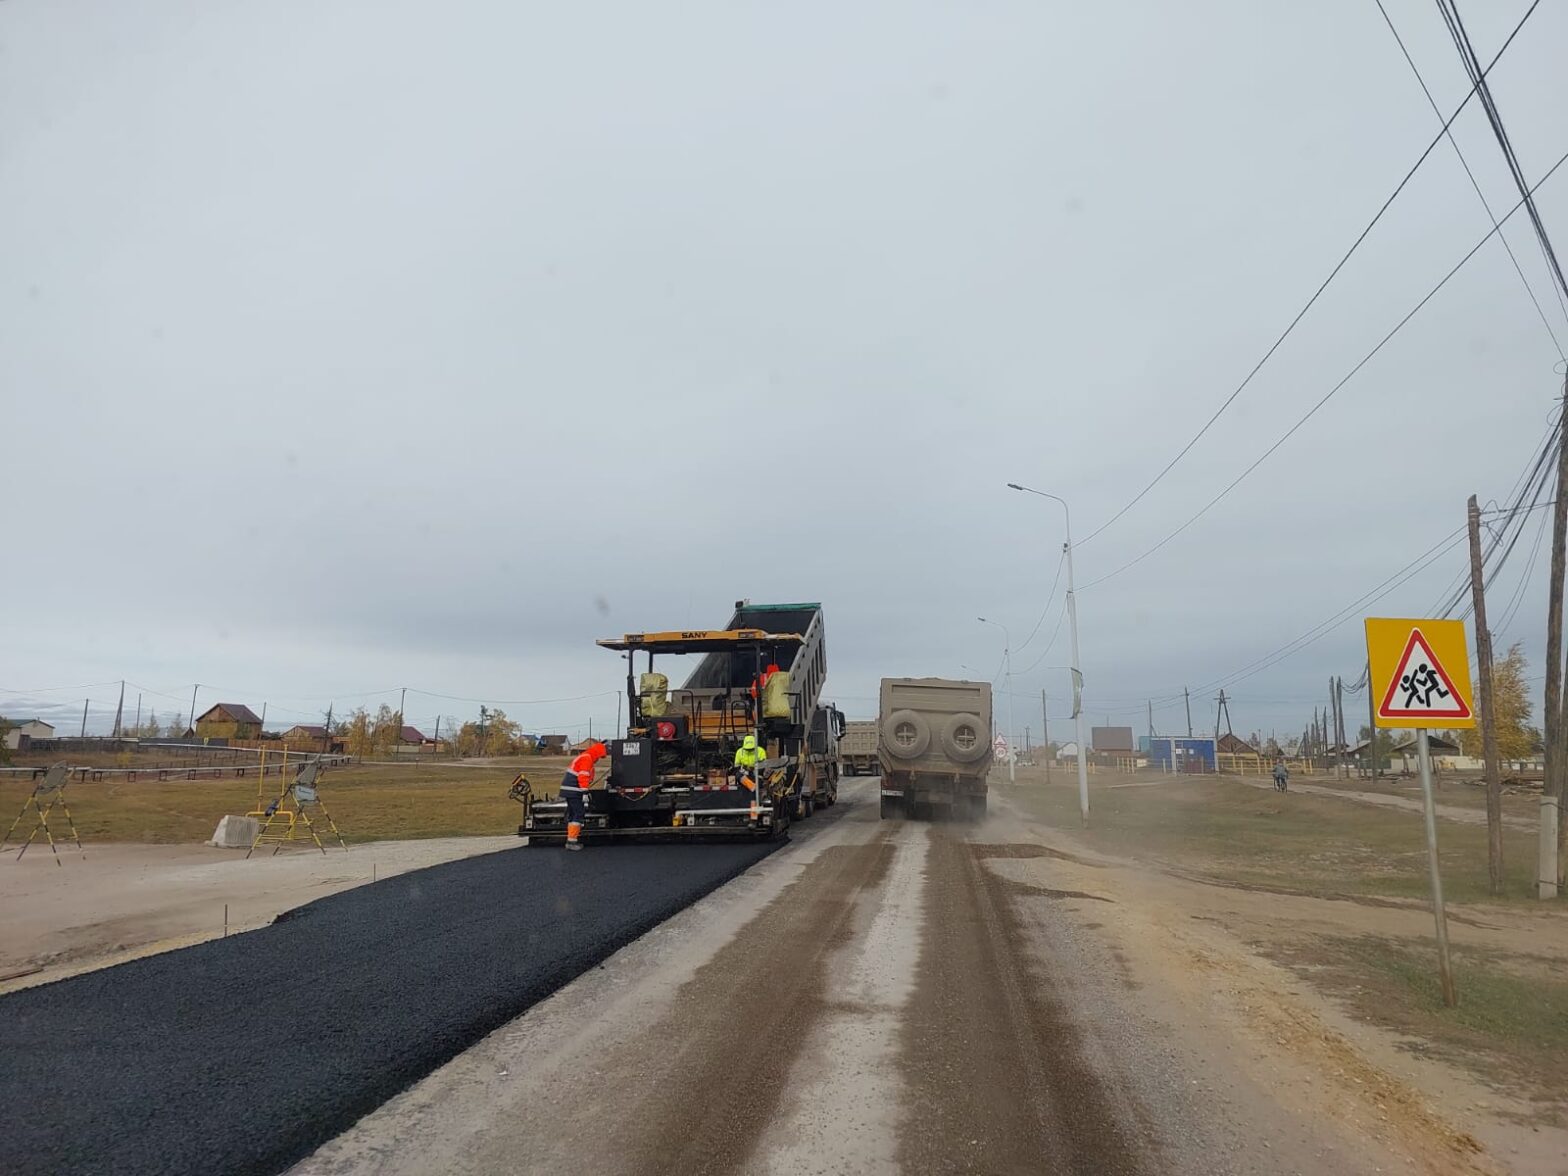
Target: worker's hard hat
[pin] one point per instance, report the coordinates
(598, 751)
(749, 743)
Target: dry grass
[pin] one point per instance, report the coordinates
(1510, 1027)
(368, 803)
(1230, 831)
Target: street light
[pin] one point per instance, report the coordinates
(1077, 665)
(1007, 660)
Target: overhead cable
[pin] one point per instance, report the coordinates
(1327, 396)
(1291, 326)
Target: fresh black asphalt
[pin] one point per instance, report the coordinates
(245, 1054)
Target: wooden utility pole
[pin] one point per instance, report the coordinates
(119, 710)
(1372, 723)
(1483, 657)
(1331, 717)
(1151, 718)
(1556, 735)
(1187, 698)
(1045, 736)
(85, 701)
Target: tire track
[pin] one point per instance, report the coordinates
(996, 1076)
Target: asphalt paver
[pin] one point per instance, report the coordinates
(244, 1054)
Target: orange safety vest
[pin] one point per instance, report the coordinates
(762, 679)
(580, 773)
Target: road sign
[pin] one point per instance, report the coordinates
(1000, 747)
(1420, 673)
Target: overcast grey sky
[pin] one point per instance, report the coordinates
(349, 346)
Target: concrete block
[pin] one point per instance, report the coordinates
(235, 832)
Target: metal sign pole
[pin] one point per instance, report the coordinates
(1444, 967)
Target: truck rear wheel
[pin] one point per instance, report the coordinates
(891, 807)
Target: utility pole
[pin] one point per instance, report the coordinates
(438, 733)
(1556, 736)
(138, 714)
(1344, 735)
(1187, 698)
(1483, 657)
(1333, 723)
(1151, 720)
(119, 711)
(85, 701)
(263, 718)
(402, 696)
(1077, 664)
(326, 741)
(1045, 736)
(1371, 723)
(192, 723)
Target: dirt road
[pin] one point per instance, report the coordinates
(1448, 812)
(876, 997)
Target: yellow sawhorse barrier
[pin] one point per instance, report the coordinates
(53, 786)
(291, 810)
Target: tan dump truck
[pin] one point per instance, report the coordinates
(935, 747)
(858, 748)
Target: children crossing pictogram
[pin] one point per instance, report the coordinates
(1420, 688)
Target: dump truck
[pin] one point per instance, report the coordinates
(672, 775)
(935, 747)
(824, 744)
(858, 749)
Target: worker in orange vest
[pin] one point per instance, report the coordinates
(577, 781)
(761, 683)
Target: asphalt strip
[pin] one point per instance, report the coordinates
(245, 1054)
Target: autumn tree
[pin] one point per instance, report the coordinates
(358, 739)
(502, 735)
(1516, 739)
(385, 730)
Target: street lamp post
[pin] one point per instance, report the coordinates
(1007, 660)
(1077, 665)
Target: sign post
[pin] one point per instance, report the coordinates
(1420, 669)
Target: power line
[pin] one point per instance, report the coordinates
(1356, 244)
(1524, 580)
(1464, 163)
(1327, 396)
(1479, 85)
(1050, 599)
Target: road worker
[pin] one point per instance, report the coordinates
(577, 781)
(761, 683)
(747, 756)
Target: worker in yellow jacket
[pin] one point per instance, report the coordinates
(747, 756)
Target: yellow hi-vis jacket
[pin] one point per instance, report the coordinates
(748, 754)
